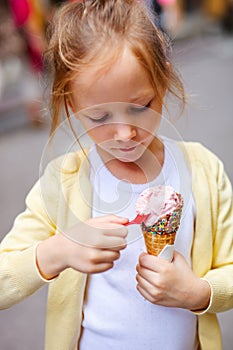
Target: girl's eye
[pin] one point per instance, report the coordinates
(99, 119)
(139, 109)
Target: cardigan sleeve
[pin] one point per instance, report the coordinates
(212, 251)
(220, 276)
(19, 276)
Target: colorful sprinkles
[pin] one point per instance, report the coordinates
(166, 224)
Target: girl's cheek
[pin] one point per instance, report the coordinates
(98, 134)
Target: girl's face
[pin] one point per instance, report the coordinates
(118, 109)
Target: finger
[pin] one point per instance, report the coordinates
(119, 220)
(145, 284)
(106, 228)
(106, 256)
(148, 261)
(148, 275)
(145, 294)
(102, 267)
(152, 262)
(119, 247)
(112, 219)
(116, 230)
(111, 243)
(100, 241)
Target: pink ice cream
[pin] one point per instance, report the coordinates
(157, 201)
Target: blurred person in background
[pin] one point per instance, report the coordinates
(24, 19)
(29, 17)
(185, 17)
(169, 14)
(11, 47)
(220, 11)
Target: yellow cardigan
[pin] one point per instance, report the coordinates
(63, 196)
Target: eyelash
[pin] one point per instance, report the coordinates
(139, 109)
(100, 120)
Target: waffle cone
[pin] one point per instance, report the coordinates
(163, 232)
(155, 242)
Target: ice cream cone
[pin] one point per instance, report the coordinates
(155, 243)
(162, 209)
(163, 232)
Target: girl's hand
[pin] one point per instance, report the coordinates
(171, 284)
(88, 247)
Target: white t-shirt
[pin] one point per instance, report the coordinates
(116, 316)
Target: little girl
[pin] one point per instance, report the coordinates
(112, 71)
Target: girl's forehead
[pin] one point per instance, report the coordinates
(125, 80)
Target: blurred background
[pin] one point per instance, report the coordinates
(202, 31)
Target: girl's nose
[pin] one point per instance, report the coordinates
(124, 132)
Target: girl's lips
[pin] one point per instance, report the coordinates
(129, 149)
